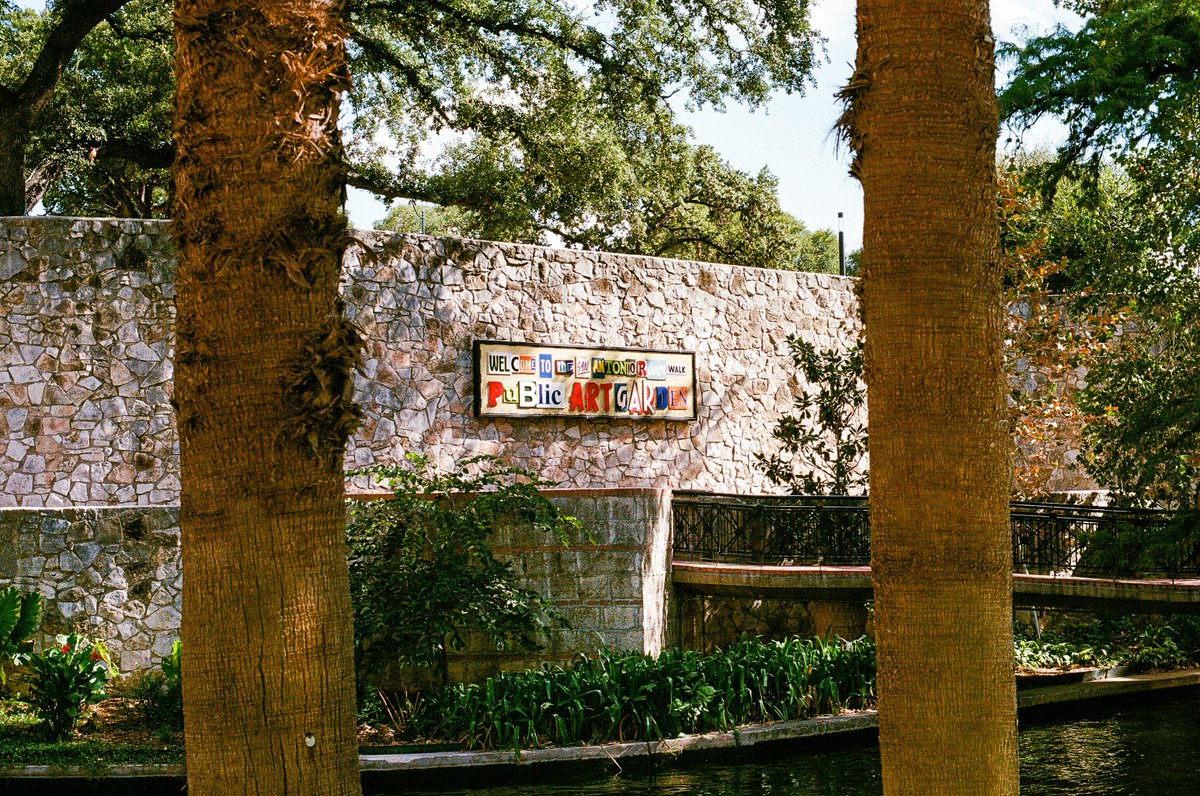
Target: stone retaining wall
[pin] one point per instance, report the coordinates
(86, 341)
(613, 593)
(113, 573)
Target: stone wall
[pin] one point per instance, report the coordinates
(112, 573)
(710, 622)
(86, 346)
(421, 302)
(613, 592)
(86, 319)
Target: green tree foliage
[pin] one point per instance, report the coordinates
(684, 202)
(422, 572)
(19, 614)
(1145, 445)
(824, 441)
(1128, 86)
(553, 123)
(100, 145)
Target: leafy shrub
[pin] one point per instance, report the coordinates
(160, 694)
(18, 619)
(422, 572)
(1143, 643)
(633, 697)
(66, 679)
(825, 440)
(1045, 654)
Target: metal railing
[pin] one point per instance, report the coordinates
(771, 529)
(1047, 538)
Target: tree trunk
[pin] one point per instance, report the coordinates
(14, 131)
(262, 389)
(921, 119)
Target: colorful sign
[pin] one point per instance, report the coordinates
(532, 380)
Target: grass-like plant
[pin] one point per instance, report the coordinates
(612, 697)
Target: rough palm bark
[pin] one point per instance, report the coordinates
(262, 391)
(921, 122)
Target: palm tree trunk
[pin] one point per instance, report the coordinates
(921, 118)
(262, 392)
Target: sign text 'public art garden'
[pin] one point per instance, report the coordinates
(534, 380)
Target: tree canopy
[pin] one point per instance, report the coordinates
(533, 121)
(687, 203)
(1127, 85)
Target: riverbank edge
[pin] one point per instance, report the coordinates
(430, 767)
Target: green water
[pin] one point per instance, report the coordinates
(1152, 749)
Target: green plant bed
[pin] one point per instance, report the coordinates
(89, 755)
(631, 697)
(1140, 643)
(114, 733)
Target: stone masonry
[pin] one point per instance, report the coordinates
(112, 573)
(89, 457)
(86, 319)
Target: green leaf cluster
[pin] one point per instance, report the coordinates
(1143, 643)
(160, 694)
(1140, 437)
(423, 575)
(19, 614)
(67, 679)
(630, 697)
(824, 439)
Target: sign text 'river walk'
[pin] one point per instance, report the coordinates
(534, 380)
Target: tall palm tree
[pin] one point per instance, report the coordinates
(262, 389)
(921, 121)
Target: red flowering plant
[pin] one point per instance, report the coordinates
(67, 678)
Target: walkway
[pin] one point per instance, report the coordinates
(853, 584)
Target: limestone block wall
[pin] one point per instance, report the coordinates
(710, 622)
(613, 592)
(112, 573)
(86, 337)
(86, 341)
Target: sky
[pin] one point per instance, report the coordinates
(790, 135)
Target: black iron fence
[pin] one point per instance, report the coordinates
(771, 529)
(1047, 538)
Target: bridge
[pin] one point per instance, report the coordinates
(818, 548)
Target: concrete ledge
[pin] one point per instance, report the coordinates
(1105, 687)
(671, 748)
(853, 584)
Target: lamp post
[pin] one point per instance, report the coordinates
(421, 214)
(841, 245)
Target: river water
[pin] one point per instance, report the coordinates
(1151, 749)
